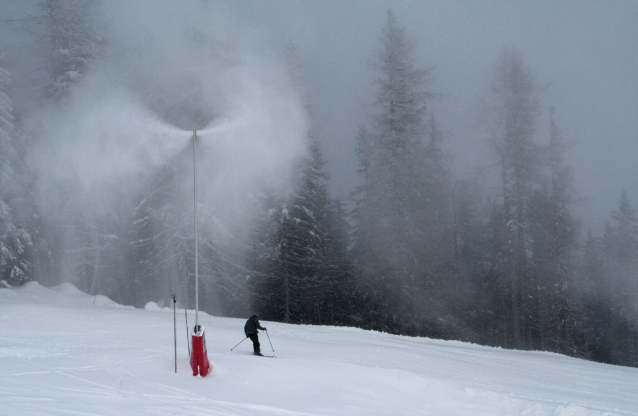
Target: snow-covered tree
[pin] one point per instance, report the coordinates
(65, 35)
(16, 266)
(72, 44)
(397, 210)
(300, 270)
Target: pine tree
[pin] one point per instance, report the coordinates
(437, 215)
(64, 29)
(342, 303)
(621, 243)
(299, 253)
(596, 302)
(511, 114)
(16, 246)
(592, 266)
(304, 240)
(473, 292)
(399, 204)
(267, 277)
(554, 233)
(363, 250)
(621, 246)
(300, 270)
(71, 41)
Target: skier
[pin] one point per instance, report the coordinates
(250, 329)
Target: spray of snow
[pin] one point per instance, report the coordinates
(171, 68)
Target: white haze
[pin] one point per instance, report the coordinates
(163, 75)
(585, 50)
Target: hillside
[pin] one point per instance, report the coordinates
(63, 352)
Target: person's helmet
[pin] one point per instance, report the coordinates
(256, 316)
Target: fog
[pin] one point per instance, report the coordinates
(161, 79)
(584, 52)
(107, 96)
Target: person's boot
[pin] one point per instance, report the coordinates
(258, 353)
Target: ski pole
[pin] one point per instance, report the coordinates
(239, 343)
(175, 329)
(187, 340)
(266, 331)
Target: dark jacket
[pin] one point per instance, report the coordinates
(252, 324)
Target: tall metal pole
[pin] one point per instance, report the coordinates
(195, 220)
(175, 328)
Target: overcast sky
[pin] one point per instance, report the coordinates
(586, 50)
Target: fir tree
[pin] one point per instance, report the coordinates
(621, 246)
(71, 41)
(300, 270)
(397, 210)
(554, 233)
(511, 114)
(16, 245)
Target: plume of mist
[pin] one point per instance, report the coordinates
(170, 68)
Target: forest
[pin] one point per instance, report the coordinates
(88, 196)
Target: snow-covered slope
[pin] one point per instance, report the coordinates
(63, 352)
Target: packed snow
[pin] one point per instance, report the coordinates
(63, 352)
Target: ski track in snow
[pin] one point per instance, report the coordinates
(63, 352)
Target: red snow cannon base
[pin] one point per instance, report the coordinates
(199, 356)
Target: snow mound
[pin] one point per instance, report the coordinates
(30, 287)
(152, 306)
(68, 289)
(63, 293)
(106, 301)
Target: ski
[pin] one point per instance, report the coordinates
(262, 355)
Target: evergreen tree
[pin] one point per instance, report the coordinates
(72, 44)
(343, 303)
(621, 244)
(366, 259)
(473, 292)
(16, 245)
(596, 307)
(303, 245)
(65, 31)
(437, 218)
(400, 211)
(511, 116)
(300, 270)
(592, 268)
(267, 279)
(621, 247)
(554, 234)
(301, 273)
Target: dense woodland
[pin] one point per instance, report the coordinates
(414, 251)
